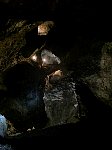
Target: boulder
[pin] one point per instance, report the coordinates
(3, 126)
(101, 82)
(23, 104)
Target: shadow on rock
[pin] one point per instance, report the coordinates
(23, 104)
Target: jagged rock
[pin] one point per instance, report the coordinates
(3, 126)
(61, 102)
(5, 147)
(45, 27)
(55, 76)
(49, 58)
(23, 103)
(101, 82)
(13, 41)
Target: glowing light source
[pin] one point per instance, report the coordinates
(34, 58)
(44, 60)
(48, 58)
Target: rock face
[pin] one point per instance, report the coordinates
(61, 102)
(14, 39)
(5, 147)
(21, 98)
(3, 126)
(23, 104)
(101, 82)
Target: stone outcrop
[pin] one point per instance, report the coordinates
(23, 103)
(101, 82)
(61, 102)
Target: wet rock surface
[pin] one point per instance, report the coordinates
(61, 102)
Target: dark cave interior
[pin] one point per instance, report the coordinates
(78, 25)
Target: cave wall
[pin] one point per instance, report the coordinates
(77, 24)
(23, 102)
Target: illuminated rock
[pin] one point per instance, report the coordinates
(49, 58)
(61, 102)
(3, 126)
(45, 27)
